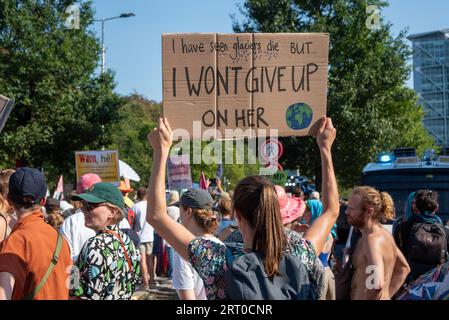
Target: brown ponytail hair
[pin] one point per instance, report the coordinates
(381, 202)
(256, 201)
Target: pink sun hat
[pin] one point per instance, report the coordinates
(291, 207)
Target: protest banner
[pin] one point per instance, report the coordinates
(104, 163)
(6, 106)
(178, 172)
(246, 81)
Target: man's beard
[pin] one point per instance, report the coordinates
(358, 222)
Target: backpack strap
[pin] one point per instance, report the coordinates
(229, 256)
(128, 260)
(52, 265)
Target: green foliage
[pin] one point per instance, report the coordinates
(61, 105)
(367, 100)
(137, 117)
(233, 172)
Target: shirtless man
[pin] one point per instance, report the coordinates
(379, 266)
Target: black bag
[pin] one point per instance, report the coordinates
(343, 281)
(246, 279)
(426, 248)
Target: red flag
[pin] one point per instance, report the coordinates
(59, 192)
(203, 181)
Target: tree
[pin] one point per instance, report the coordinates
(370, 106)
(61, 105)
(137, 117)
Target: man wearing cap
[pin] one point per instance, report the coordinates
(35, 258)
(108, 264)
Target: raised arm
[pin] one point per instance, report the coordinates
(322, 226)
(174, 233)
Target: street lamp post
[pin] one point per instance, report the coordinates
(103, 49)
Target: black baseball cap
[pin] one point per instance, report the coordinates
(195, 199)
(27, 186)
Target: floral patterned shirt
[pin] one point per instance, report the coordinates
(208, 258)
(103, 270)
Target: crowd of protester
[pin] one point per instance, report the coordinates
(258, 241)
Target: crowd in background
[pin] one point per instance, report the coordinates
(213, 244)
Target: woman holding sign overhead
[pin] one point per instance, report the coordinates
(267, 248)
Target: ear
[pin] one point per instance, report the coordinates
(112, 214)
(43, 201)
(370, 212)
(189, 212)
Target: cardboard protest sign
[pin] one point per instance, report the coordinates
(6, 106)
(246, 81)
(103, 163)
(279, 178)
(178, 172)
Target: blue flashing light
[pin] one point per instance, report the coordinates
(386, 158)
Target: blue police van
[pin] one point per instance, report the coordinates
(401, 172)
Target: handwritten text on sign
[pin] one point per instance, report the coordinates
(257, 81)
(103, 163)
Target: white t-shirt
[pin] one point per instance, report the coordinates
(146, 230)
(186, 278)
(173, 213)
(75, 231)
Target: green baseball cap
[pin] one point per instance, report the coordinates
(102, 192)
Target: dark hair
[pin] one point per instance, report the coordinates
(426, 200)
(297, 192)
(141, 193)
(256, 201)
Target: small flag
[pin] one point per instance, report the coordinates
(59, 191)
(203, 181)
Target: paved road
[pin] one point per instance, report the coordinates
(163, 291)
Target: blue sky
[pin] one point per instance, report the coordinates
(134, 44)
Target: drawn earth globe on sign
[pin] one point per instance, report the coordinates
(299, 116)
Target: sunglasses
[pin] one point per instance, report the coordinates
(89, 206)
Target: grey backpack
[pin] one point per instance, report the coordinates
(245, 279)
